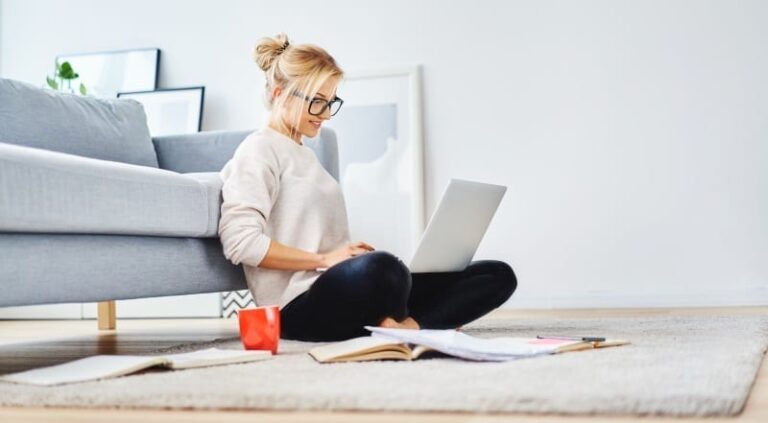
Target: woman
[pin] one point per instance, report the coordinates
(283, 217)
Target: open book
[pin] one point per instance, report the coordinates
(105, 366)
(411, 344)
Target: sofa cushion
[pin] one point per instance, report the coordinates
(197, 152)
(209, 151)
(44, 191)
(107, 129)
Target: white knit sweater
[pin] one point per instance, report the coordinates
(277, 189)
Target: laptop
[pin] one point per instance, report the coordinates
(456, 227)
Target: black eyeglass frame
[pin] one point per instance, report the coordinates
(328, 103)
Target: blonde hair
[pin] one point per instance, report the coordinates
(301, 67)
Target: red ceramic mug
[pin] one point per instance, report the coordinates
(260, 328)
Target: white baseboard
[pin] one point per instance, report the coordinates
(181, 306)
(46, 311)
(178, 306)
(754, 296)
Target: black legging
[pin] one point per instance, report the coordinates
(366, 288)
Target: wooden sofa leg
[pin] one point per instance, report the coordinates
(106, 314)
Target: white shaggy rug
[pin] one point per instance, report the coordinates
(675, 366)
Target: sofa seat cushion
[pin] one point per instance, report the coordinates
(108, 129)
(47, 191)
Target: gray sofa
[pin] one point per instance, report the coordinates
(92, 208)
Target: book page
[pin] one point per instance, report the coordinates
(422, 351)
(89, 368)
(462, 345)
(214, 356)
(354, 347)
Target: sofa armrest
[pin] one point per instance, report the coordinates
(51, 192)
(199, 152)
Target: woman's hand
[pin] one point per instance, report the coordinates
(345, 252)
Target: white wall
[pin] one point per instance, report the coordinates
(631, 134)
(1, 38)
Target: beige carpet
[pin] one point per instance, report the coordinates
(676, 366)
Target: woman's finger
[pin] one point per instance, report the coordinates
(365, 245)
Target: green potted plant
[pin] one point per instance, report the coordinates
(64, 72)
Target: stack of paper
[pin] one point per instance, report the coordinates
(461, 345)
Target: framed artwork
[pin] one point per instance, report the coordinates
(171, 110)
(106, 73)
(381, 171)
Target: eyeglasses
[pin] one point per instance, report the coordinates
(317, 106)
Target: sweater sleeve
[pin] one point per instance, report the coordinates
(250, 186)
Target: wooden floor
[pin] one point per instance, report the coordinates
(30, 344)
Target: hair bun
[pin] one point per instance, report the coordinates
(282, 48)
(268, 49)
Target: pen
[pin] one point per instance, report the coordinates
(573, 338)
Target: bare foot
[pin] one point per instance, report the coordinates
(407, 323)
(389, 322)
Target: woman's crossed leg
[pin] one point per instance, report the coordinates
(375, 287)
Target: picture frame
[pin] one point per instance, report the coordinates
(381, 165)
(105, 73)
(171, 111)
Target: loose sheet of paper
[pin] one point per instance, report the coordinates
(214, 356)
(462, 345)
